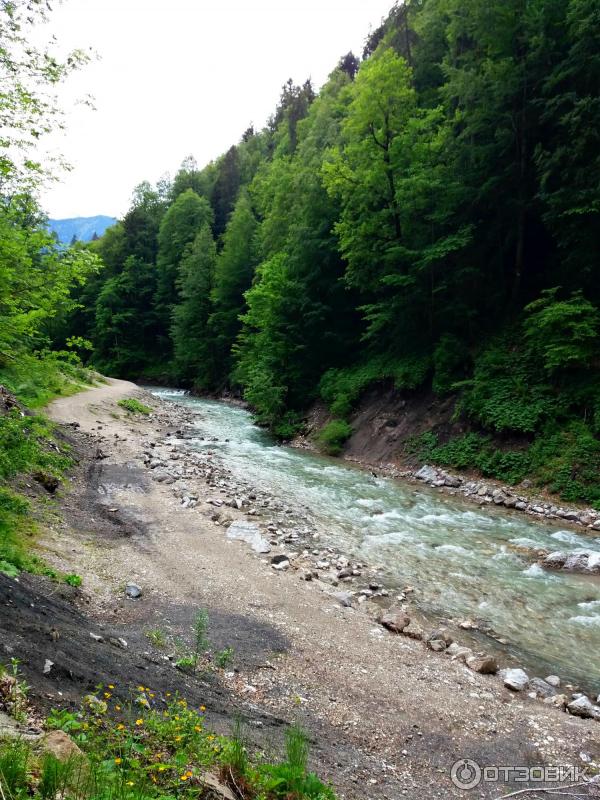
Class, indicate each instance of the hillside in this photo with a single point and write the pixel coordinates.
(427, 222)
(82, 228)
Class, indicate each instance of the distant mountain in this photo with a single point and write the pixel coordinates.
(83, 228)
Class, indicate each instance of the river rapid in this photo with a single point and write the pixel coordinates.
(464, 562)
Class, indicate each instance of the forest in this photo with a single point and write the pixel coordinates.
(429, 220)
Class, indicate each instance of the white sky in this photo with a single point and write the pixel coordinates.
(183, 77)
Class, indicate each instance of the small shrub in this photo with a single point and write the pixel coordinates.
(331, 438)
(73, 579)
(134, 406)
(157, 638)
(224, 657)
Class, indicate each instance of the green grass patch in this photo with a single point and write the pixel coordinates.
(150, 747)
(37, 379)
(134, 406)
(332, 436)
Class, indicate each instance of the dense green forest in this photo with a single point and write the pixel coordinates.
(428, 220)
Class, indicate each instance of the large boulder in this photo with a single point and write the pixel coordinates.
(427, 473)
(61, 746)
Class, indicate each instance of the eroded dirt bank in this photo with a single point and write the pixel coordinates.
(387, 717)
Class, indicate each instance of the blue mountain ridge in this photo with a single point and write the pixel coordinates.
(83, 228)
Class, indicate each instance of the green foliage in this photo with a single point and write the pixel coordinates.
(134, 406)
(405, 229)
(333, 435)
(149, 747)
(157, 637)
(341, 389)
(224, 658)
(565, 332)
(37, 378)
(291, 778)
(73, 579)
(194, 360)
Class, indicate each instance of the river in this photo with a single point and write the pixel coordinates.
(462, 560)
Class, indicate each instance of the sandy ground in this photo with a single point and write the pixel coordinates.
(388, 718)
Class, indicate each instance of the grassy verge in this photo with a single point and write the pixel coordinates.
(154, 747)
(28, 450)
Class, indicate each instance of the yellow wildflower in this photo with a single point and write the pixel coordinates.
(202, 708)
(111, 686)
(140, 688)
(197, 728)
(139, 722)
(118, 760)
(107, 695)
(120, 727)
(117, 708)
(183, 777)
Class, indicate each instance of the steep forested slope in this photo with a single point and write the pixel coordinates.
(428, 221)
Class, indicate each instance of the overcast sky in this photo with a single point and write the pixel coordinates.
(183, 77)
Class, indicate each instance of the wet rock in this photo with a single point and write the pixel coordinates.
(452, 480)
(47, 666)
(482, 663)
(576, 562)
(553, 680)
(596, 525)
(96, 637)
(345, 573)
(555, 560)
(133, 591)
(593, 564)
(542, 688)
(395, 620)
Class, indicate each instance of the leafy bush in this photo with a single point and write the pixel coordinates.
(134, 406)
(73, 579)
(332, 437)
(341, 388)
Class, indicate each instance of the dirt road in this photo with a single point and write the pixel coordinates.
(388, 717)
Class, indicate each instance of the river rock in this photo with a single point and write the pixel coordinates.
(395, 620)
(248, 532)
(482, 663)
(515, 679)
(541, 688)
(460, 653)
(558, 701)
(133, 591)
(576, 562)
(596, 525)
(583, 707)
(280, 562)
(414, 631)
(437, 645)
(553, 680)
(344, 599)
(426, 473)
(441, 634)
(555, 560)
(593, 564)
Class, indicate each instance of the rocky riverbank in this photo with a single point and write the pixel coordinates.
(390, 707)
